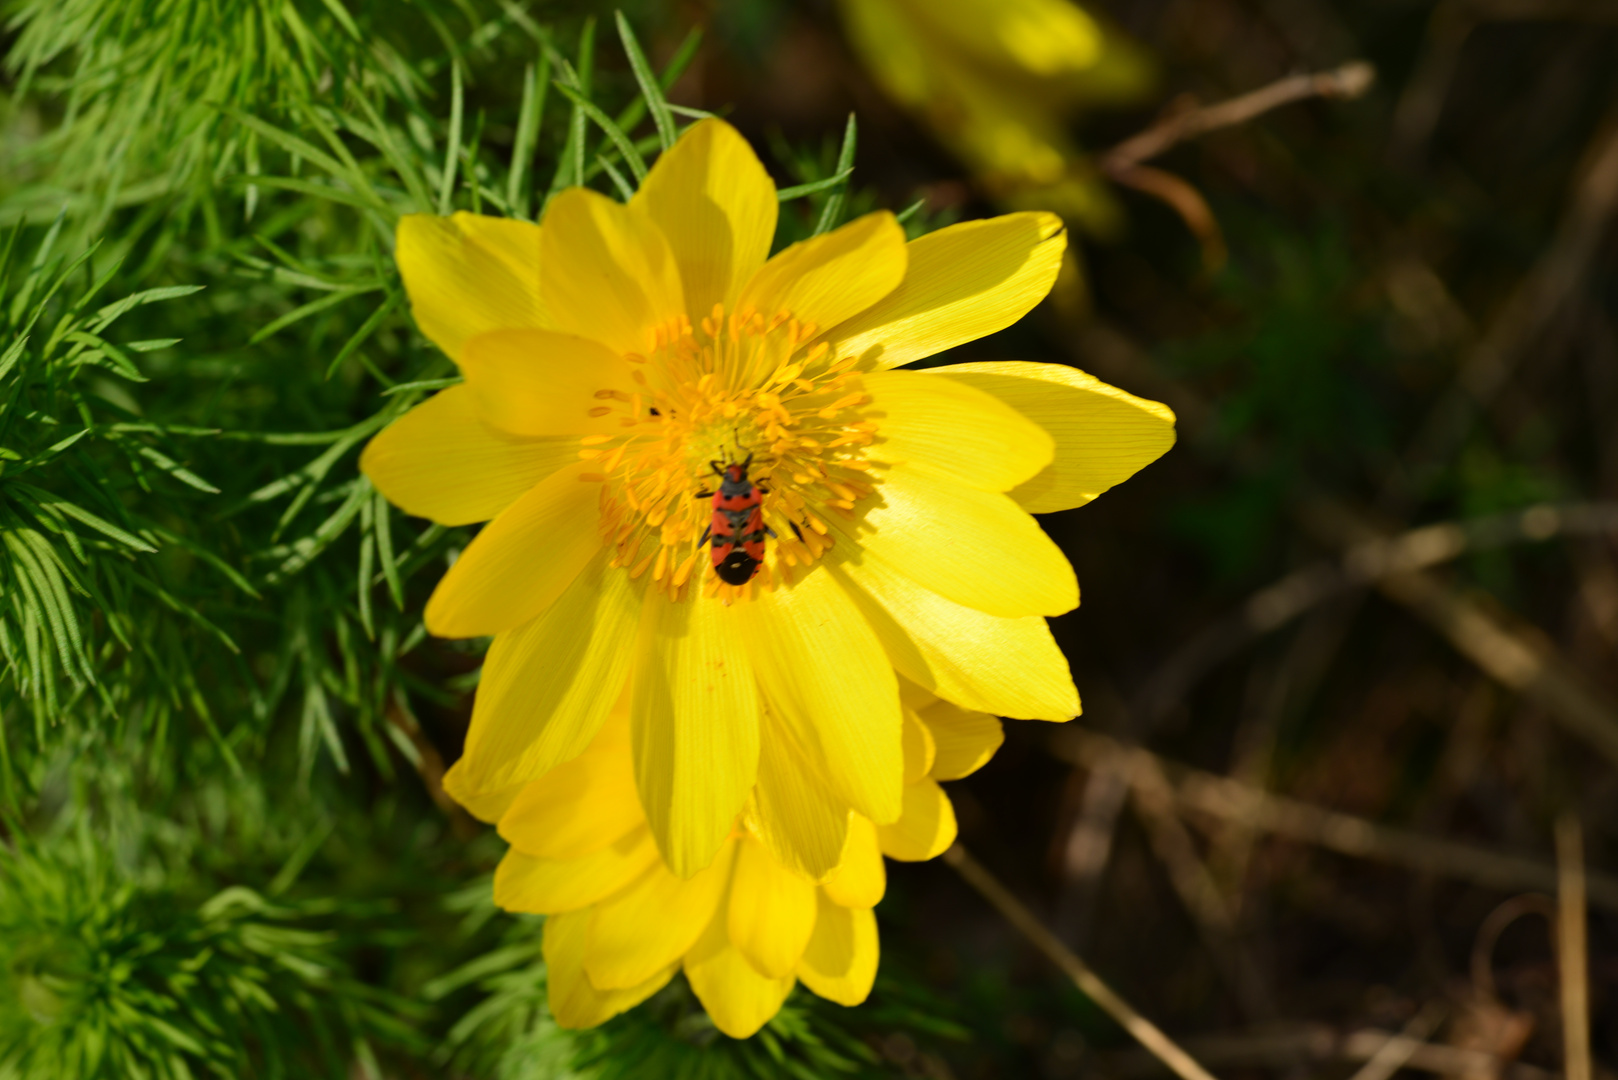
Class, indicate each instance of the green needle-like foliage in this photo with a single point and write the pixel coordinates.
(106, 978)
(217, 699)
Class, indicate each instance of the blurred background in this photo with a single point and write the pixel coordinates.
(1346, 652)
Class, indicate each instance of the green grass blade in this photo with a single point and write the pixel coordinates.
(615, 134)
(452, 148)
(833, 209)
(650, 88)
(787, 194)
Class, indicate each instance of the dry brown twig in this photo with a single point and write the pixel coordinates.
(1148, 1034)
(1526, 663)
(1398, 1049)
(1364, 563)
(1198, 892)
(1451, 25)
(1125, 163)
(1346, 82)
(1279, 1047)
(1542, 296)
(1223, 799)
(1572, 960)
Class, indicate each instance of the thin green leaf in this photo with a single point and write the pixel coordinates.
(312, 307)
(452, 148)
(360, 336)
(650, 88)
(833, 210)
(340, 13)
(624, 144)
(78, 513)
(787, 194)
(382, 522)
(618, 180)
(534, 91)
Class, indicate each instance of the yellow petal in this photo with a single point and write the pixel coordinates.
(977, 548)
(1009, 667)
(925, 829)
(955, 429)
(580, 806)
(918, 747)
(573, 1000)
(1041, 37)
(822, 671)
(795, 811)
(548, 685)
(652, 924)
(695, 717)
(522, 560)
(546, 886)
(827, 279)
(739, 1000)
(606, 272)
(963, 282)
(714, 202)
(1103, 434)
(861, 878)
(840, 962)
(438, 461)
(965, 739)
(487, 806)
(771, 911)
(468, 274)
(540, 382)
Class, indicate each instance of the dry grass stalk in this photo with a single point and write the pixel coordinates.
(1161, 1047)
(1230, 800)
(1572, 947)
(1125, 163)
(1369, 558)
(1531, 666)
(1400, 1048)
(1280, 1047)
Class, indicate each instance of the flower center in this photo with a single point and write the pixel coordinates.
(736, 409)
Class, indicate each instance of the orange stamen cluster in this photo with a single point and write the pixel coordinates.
(738, 384)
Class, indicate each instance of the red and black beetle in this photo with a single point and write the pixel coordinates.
(737, 529)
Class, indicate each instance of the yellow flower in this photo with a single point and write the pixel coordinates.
(747, 927)
(610, 355)
(998, 81)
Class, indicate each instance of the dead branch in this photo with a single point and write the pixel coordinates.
(1278, 1048)
(1230, 800)
(1161, 1047)
(1572, 947)
(1542, 295)
(1366, 562)
(1345, 82)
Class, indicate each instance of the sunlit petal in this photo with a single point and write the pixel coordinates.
(926, 827)
(521, 562)
(841, 960)
(606, 271)
(695, 717)
(468, 274)
(439, 461)
(712, 199)
(827, 279)
(1009, 667)
(963, 282)
(1103, 435)
(955, 429)
(652, 924)
(574, 1002)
